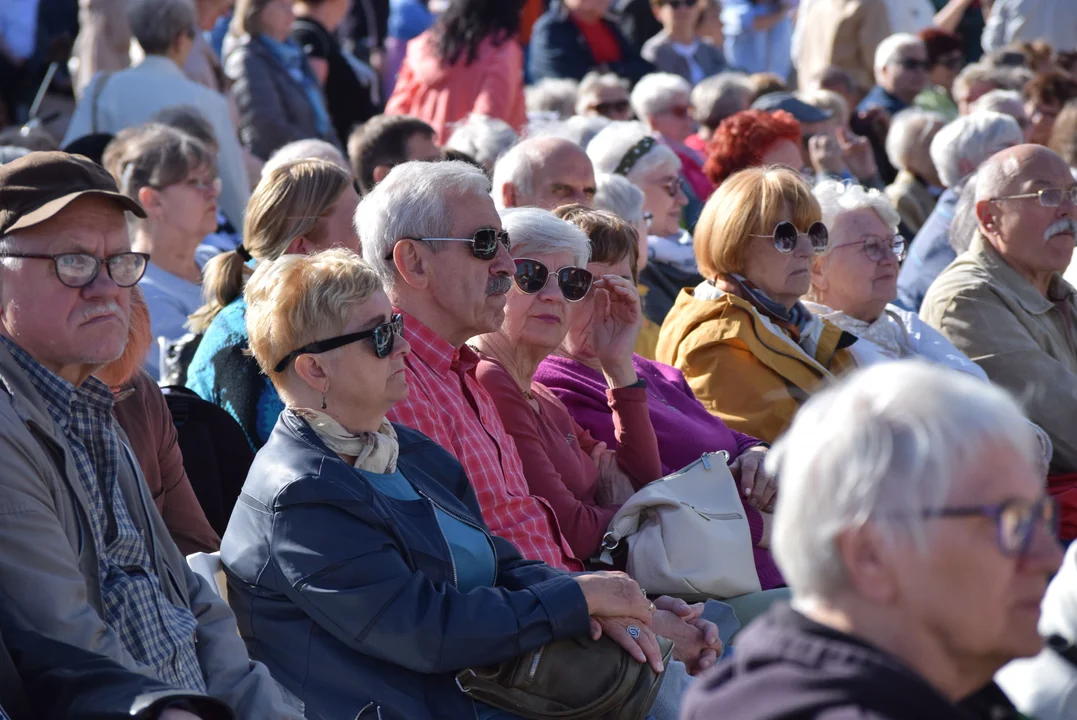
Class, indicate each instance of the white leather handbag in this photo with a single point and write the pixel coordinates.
(687, 534)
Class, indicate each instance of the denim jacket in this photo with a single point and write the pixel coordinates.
(348, 595)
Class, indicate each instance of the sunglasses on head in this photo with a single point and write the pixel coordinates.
(613, 106)
(785, 237)
(484, 242)
(383, 336)
(531, 276)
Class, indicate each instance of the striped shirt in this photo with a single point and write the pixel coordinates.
(446, 402)
(155, 632)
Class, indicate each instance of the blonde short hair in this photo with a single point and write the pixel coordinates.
(300, 299)
(749, 202)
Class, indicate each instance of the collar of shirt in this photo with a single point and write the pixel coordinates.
(59, 395)
(434, 351)
(1031, 299)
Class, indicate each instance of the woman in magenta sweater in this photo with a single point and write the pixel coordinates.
(585, 481)
(683, 427)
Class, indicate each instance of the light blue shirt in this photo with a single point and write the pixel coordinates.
(756, 51)
(170, 300)
(18, 27)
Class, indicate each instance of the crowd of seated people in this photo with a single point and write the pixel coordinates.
(335, 335)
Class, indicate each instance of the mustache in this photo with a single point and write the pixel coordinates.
(498, 285)
(1060, 226)
(102, 309)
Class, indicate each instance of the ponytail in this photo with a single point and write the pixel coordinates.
(222, 283)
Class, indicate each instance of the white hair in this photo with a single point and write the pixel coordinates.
(960, 147)
(552, 95)
(307, 149)
(592, 85)
(717, 97)
(881, 447)
(1003, 78)
(518, 166)
(483, 138)
(621, 197)
(889, 49)
(580, 129)
(535, 231)
(837, 198)
(658, 92)
(1007, 102)
(611, 145)
(909, 135)
(416, 199)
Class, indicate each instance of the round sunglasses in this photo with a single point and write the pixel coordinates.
(785, 237)
(384, 337)
(531, 276)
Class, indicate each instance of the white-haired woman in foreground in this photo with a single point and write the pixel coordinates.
(854, 284)
(917, 539)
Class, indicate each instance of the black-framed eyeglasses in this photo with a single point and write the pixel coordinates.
(672, 186)
(1048, 197)
(484, 242)
(676, 4)
(77, 270)
(531, 276)
(1015, 520)
(619, 107)
(785, 237)
(880, 248)
(383, 335)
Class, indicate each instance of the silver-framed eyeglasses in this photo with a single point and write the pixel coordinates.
(880, 248)
(1048, 197)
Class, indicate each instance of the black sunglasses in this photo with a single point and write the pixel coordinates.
(384, 336)
(531, 276)
(77, 270)
(681, 3)
(785, 237)
(483, 243)
(613, 106)
(913, 64)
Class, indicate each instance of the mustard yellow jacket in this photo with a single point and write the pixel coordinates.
(742, 367)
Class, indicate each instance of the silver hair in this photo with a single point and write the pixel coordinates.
(592, 84)
(621, 197)
(552, 95)
(416, 199)
(535, 231)
(717, 97)
(611, 145)
(483, 138)
(307, 149)
(909, 135)
(1002, 101)
(519, 164)
(157, 23)
(889, 49)
(837, 198)
(880, 448)
(965, 225)
(658, 92)
(580, 129)
(1002, 78)
(960, 147)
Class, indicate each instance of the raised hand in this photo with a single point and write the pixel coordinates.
(615, 326)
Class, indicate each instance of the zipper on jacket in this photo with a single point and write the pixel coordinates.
(533, 670)
(452, 559)
(438, 506)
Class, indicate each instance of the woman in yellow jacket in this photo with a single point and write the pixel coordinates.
(750, 350)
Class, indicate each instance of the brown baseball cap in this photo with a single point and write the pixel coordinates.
(37, 186)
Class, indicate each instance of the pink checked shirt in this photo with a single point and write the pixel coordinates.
(446, 403)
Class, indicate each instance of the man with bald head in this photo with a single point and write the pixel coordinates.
(1004, 302)
(544, 172)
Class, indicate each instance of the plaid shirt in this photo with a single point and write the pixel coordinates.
(446, 402)
(156, 632)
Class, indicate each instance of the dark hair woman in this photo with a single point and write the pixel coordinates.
(469, 62)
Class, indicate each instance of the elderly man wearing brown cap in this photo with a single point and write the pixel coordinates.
(84, 556)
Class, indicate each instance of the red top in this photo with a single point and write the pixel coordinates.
(446, 403)
(601, 39)
(556, 452)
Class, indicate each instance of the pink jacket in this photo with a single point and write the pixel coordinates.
(493, 85)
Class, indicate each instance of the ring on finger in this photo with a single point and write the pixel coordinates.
(633, 631)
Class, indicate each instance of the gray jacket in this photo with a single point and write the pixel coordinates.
(49, 562)
(274, 109)
(659, 51)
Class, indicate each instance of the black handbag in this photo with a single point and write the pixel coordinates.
(572, 679)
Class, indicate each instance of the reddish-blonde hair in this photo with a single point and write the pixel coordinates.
(119, 371)
(742, 139)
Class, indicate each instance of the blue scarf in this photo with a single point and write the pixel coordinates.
(291, 58)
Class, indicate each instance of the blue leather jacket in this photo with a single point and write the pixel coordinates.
(347, 595)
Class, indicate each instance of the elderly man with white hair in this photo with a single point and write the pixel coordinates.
(545, 172)
(854, 283)
(483, 138)
(551, 97)
(1004, 302)
(917, 187)
(1007, 102)
(713, 100)
(915, 534)
(900, 74)
(956, 151)
(604, 94)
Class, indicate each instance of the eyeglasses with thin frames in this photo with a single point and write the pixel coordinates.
(77, 270)
(1048, 197)
(1015, 521)
(879, 248)
(205, 186)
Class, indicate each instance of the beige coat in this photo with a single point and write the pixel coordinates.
(844, 33)
(914, 202)
(1027, 343)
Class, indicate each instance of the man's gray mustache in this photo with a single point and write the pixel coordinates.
(498, 285)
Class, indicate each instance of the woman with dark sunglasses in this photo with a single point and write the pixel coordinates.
(358, 562)
(751, 351)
